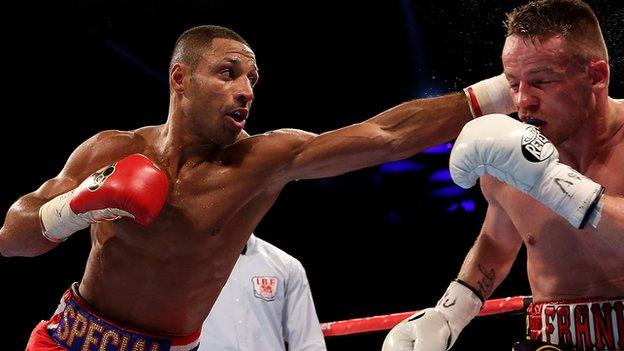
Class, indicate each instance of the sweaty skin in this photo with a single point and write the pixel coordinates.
(587, 127)
(165, 277)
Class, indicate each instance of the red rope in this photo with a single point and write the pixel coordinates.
(388, 321)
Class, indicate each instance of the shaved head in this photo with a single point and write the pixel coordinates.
(193, 42)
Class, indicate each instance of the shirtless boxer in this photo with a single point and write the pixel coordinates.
(150, 281)
(564, 204)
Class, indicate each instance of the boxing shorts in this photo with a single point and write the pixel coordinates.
(586, 324)
(75, 327)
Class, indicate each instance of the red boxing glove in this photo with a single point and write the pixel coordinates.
(133, 187)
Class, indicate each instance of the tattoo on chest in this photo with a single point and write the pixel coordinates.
(486, 283)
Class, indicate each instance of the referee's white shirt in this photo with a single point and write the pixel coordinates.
(265, 302)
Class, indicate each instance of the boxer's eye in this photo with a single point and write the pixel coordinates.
(253, 80)
(228, 72)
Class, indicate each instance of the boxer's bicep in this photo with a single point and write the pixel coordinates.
(338, 151)
(607, 222)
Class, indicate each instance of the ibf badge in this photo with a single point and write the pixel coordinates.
(265, 288)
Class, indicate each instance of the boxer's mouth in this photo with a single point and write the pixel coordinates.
(239, 115)
(534, 121)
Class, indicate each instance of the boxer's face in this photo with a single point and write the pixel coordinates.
(550, 87)
(220, 90)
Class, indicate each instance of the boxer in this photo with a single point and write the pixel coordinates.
(553, 183)
(167, 227)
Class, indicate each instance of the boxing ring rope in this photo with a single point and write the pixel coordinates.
(386, 322)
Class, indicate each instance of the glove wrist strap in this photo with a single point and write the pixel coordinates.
(568, 193)
(58, 219)
(459, 305)
(490, 96)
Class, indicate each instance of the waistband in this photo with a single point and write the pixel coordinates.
(587, 324)
(77, 327)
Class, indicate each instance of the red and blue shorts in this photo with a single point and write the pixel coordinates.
(588, 324)
(75, 327)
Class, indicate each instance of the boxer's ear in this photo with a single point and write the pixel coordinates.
(599, 73)
(176, 77)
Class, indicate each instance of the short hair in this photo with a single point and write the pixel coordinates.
(572, 20)
(191, 44)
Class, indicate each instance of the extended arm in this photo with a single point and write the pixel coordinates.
(393, 134)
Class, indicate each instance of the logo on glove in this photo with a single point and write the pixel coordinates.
(535, 146)
(99, 177)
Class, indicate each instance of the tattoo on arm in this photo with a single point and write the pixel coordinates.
(486, 283)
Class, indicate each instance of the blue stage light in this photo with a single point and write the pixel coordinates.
(448, 192)
(441, 175)
(468, 205)
(439, 149)
(401, 166)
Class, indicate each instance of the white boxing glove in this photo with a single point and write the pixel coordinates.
(436, 329)
(491, 95)
(426, 330)
(517, 154)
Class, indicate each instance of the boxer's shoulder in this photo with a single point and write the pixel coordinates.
(103, 148)
(286, 137)
(119, 139)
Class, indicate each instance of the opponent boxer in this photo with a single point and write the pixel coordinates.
(564, 203)
(150, 282)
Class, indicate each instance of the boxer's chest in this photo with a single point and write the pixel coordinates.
(539, 226)
(213, 198)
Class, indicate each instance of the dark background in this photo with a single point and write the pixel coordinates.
(382, 240)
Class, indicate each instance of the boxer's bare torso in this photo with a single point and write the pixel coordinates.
(564, 263)
(166, 276)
